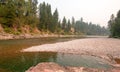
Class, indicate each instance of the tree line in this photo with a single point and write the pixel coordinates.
(18, 15)
(25, 16)
(114, 25)
(90, 28)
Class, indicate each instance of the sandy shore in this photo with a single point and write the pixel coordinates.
(94, 46)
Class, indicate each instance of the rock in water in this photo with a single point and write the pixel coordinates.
(47, 67)
(53, 67)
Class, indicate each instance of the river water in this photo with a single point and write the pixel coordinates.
(12, 60)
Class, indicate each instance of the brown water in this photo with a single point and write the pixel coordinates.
(12, 60)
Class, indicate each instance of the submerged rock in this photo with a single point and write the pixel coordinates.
(53, 67)
(47, 67)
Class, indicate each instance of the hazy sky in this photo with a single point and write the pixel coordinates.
(96, 11)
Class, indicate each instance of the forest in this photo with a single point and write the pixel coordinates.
(114, 25)
(26, 16)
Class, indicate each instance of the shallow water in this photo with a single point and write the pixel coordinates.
(12, 60)
(19, 62)
(82, 60)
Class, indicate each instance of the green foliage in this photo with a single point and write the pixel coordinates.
(73, 22)
(17, 33)
(7, 13)
(64, 23)
(17, 13)
(11, 31)
(55, 21)
(114, 25)
(48, 21)
(45, 15)
(17, 16)
(68, 28)
(8, 30)
(89, 29)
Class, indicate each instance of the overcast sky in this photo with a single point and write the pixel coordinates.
(96, 11)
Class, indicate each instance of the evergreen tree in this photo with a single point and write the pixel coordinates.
(30, 12)
(68, 26)
(20, 13)
(55, 20)
(114, 25)
(46, 18)
(111, 24)
(73, 22)
(42, 15)
(49, 19)
(17, 13)
(73, 25)
(59, 25)
(89, 29)
(7, 13)
(64, 24)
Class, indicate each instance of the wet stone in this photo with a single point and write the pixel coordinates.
(53, 67)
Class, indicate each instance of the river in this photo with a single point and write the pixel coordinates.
(13, 60)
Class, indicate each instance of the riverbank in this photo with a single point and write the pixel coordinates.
(106, 48)
(53, 67)
(5, 36)
(95, 46)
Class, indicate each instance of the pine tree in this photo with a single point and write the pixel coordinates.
(64, 24)
(43, 16)
(114, 25)
(116, 32)
(7, 13)
(17, 13)
(20, 13)
(49, 19)
(68, 26)
(111, 24)
(46, 18)
(73, 22)
(55, 20)
(30, 12)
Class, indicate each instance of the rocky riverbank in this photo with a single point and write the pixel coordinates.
(23, 36)
(53, 67)
(105, 48)
(6, 36)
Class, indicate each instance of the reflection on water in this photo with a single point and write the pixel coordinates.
(19, 62)
(11, 60)
(82, 60)
(22, 61)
